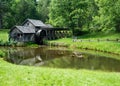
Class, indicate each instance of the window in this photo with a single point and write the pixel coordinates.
(19, 35)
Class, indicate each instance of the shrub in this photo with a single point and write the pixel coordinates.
(2, 54)
(30, 44)
(8, 43)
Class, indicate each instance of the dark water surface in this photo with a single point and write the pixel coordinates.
(61, 58)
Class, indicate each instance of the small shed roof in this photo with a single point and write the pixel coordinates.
(36, 23)
(49, 25)
(25, 29)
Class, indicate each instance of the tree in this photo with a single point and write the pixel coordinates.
(42, 9)
(3, 9)
(19, 11)
(73, 14)
(108, 18)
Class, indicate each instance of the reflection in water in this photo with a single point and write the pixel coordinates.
(61, 59)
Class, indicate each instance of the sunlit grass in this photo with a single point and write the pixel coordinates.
(2, 54)
(104, 46)
(4, 35)
(101, 36)
(14, 75)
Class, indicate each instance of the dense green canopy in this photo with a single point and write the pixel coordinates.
(78, 15)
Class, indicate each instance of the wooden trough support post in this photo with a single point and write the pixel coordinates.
(46, 34)
(49, 36)
(68, 33)
(53, 34)
(56, 34)
(60, 34)
(63, 34)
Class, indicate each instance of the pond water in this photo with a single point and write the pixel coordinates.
(61, 58)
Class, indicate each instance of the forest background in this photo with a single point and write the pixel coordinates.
(78, 15)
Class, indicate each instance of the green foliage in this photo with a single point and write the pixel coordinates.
(73, 14)
(68, 13)
(18, 9)
(3, 10)
(2, 54)
(4, 35)
(42, 9)
(31, 44)
(108, 16)
(7, 43)
(4, 38)
(92, 16)
(83, 15)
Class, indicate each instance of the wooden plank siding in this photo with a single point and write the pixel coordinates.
(36, 30)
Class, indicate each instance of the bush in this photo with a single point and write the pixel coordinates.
(78, 32)
(7, 43)
(1, 42)
(2, 54)
(31, 44)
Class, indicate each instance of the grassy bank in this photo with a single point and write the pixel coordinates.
(4, 35)
(14, 75)
(103, 46)
(2, 53)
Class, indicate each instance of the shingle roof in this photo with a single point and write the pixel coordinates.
(49, 25)
(25, 29)
(37, 23)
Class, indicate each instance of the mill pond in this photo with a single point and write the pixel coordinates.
(61, 58)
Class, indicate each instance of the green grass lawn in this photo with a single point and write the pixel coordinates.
(14, 75)
(4, 35)
(104, 46)
(100, 36)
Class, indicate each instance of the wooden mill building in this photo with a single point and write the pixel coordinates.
(35, 31)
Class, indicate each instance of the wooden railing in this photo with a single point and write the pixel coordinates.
(96, 40)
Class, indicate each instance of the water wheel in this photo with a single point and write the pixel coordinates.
(40, 36)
